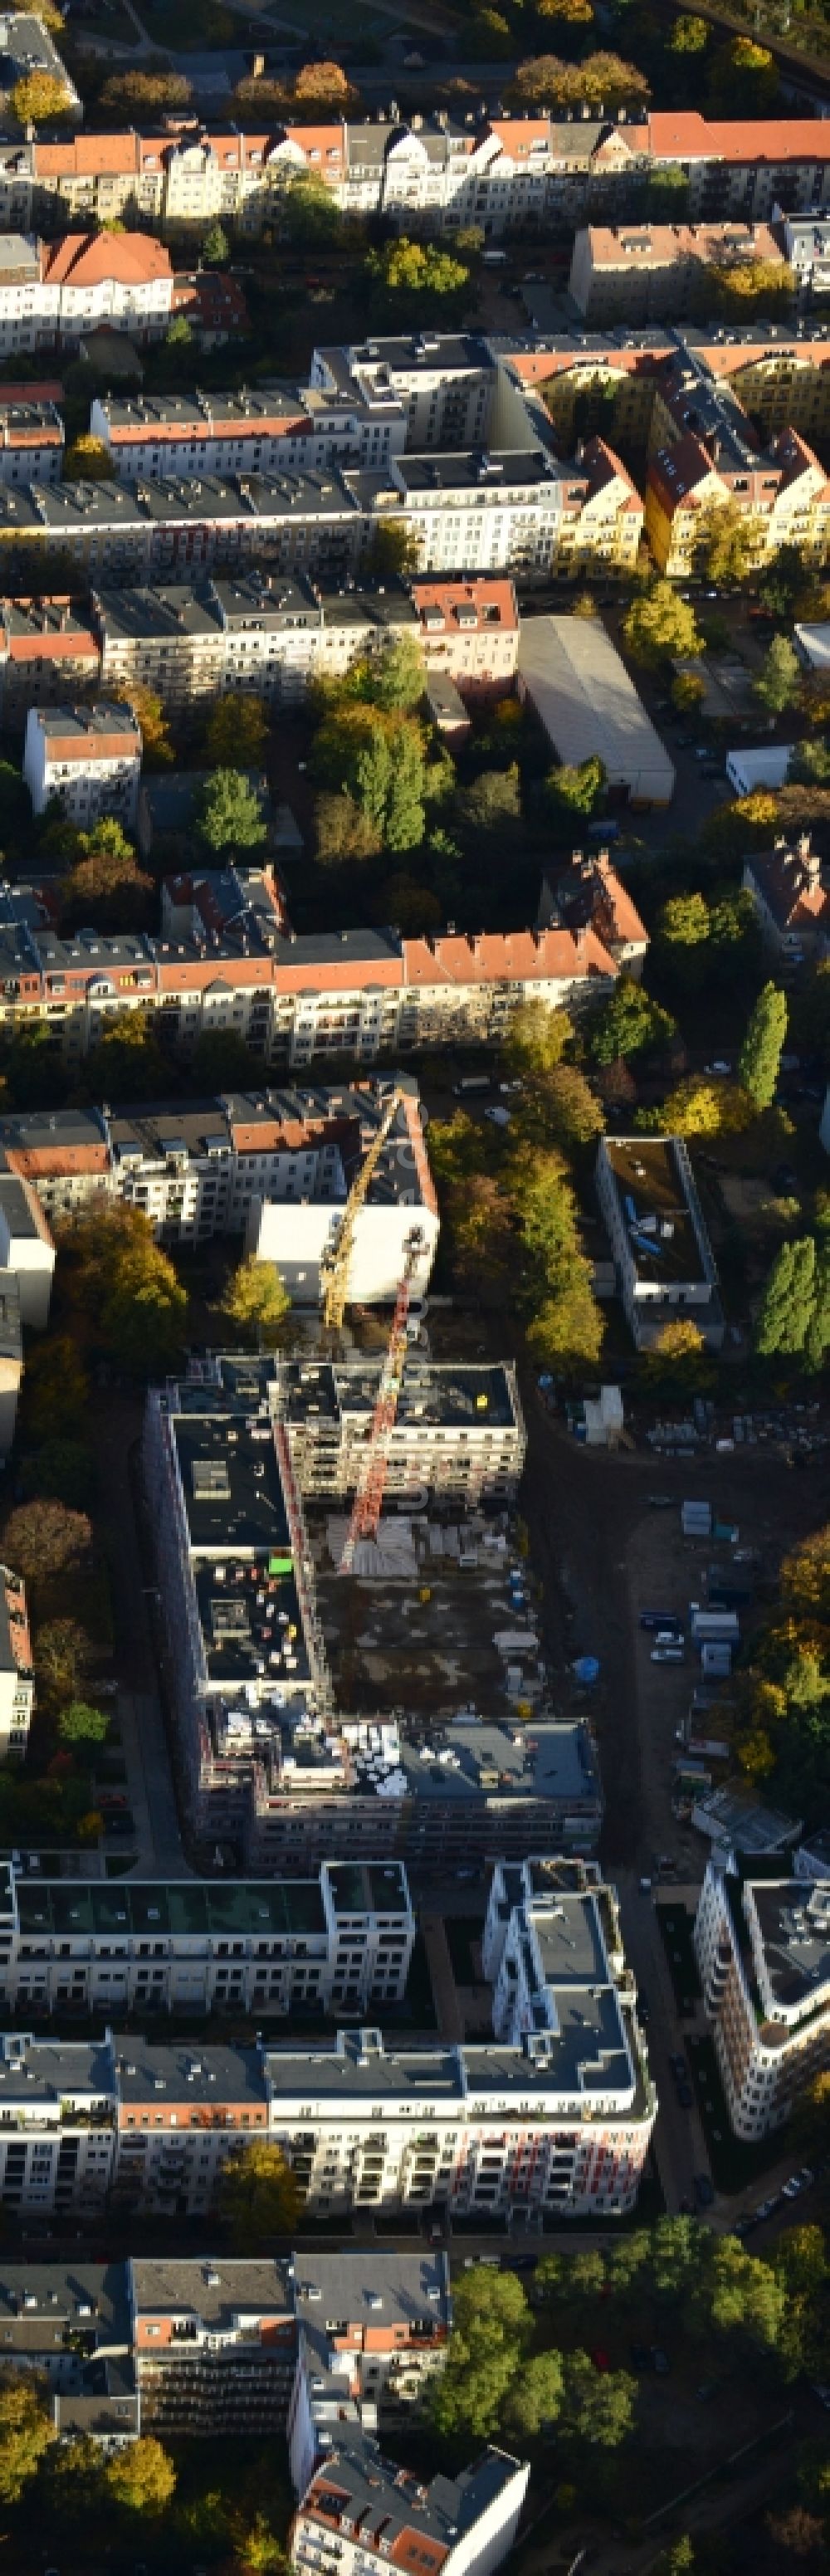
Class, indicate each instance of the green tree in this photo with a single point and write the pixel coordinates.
(779, 682)
(393, 679)
(491, 2333)
(535, 2397)
(787, 1304)
(628, 1023)
(345, 835)
(667, 191)
(179, 333)
(141, 2477)
(62, 1468)
(392, 550)
(577, 790)
(26, 2430)
(143, 1316)
(105, 880)
(492, 805)
(255, 1303)
(536, 1039)
(598, 2405)
(309, 216)
(43, 1539)
(259, 2196)
(809, 764)
(229, 812)
(817, 1342)
(760, 1057)
(419, 271)
(81, 1724)
(564, 1108)
(676, 1362)
(215, 246)
(57, 1389)
(728, 541)
(743, 80)
(661, 626)
(237, 732)
(689, 36)
(377, 759)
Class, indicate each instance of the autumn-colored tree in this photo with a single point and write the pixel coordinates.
(415, 269)
(661, 626)
(105, 882)
(137, 93)
(324, 86)
(729, 540)
(57, 1387)
(42, 1539)
(63, 1655)
(602, 81)
(141, 2477)
(88, 460)
(150, 713)
(237, 733)
(741, 287)
(39, 98)
(392, 549)
(26, 2430)
(703, 1106)
(259, 2196)
(677, 1359)
(255, 1304)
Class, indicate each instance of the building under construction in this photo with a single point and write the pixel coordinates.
(449, 1749)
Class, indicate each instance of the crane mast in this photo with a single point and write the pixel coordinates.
(371, 1483)
(336, 1260)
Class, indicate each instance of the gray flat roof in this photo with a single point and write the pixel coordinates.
(583, 696)
(217, 2074)
(39, 2300)
(386, 2288)
(648, 1179)
(216, 2288)
(233, 1495)
(47, 2070)
(794, 1922)
(551, 1760)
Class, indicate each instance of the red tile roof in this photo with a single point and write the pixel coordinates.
(87, 259)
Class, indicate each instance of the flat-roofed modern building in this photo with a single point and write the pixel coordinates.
(199, 1947)
(763, 1950)
(371, 2336)
(458, 1429)
(662, 1254)
(214, 2344)
(368, 2511)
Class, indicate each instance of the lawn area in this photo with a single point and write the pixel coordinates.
(676, 1927)
(734, 2164)
(462, 1930)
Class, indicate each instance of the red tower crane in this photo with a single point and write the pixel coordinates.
(371, 1482)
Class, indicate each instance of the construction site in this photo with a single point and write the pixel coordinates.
(353, 1636)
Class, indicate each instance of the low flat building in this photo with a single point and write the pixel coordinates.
(198, 1947)
(582, 695)
(87, 758)
(766, 766)
(72, 2325)
(642, 272)
(790, 890)
(812, 644)
(763, 1950)
(17, 1676)
(663, 1257)
(214, 2345)
(369, 2511)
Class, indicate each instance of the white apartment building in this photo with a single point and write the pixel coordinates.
(264, 429)
(55, 291)
(48, 654)
(360, 2511)
(294, 1226)
(253, 631)
(442, 381)
(31, 433)
(458, 1430)
(663, 1258)
(202, 1947)
(27, 1251)
(370, 2337)
(57, 2120)
(556, 2119)
(89, 758)
(17, 1679)
(477, 511)
(763, 1950)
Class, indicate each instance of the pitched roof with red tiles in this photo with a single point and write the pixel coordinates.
(491, 957)
(88, 259)
(687, 136)
(790, 885)
(482, 592)
(88, 156)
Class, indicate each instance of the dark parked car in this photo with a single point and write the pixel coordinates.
(704, 2191)
(685, 2097)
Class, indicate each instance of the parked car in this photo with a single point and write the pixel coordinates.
(678, 2068)
(704, 2191)
(685, 2097)
(668, 1654)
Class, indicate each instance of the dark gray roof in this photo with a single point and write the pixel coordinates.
(215, 2288)
(150, 2071)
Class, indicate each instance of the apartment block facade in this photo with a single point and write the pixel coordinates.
(199, 1947)
(359, 2510)
(86, 758)
(633, 272)
(47, 653)
(763, 1950)
(17, 1677)
(429, 175)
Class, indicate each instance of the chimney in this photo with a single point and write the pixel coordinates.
(257, 66)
